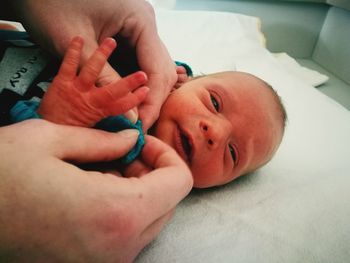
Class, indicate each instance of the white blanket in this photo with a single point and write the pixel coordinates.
(296, 208)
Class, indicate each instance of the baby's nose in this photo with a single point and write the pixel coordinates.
(213, 134)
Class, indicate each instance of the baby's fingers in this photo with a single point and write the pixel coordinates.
(70, 63)
(117, 90)
(128, 102)
(93, 67)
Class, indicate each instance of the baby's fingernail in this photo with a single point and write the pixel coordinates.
(132, 116)
(129, 133)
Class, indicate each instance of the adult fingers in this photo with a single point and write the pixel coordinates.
(70, 63)
(169, 182)
(108, 74)
(93, 67)
(161, 72)
(116, 90)
(157, 154)
(136, 169)
(180, 70)
(149, 113)
(181, 78)
(160, 87)
(154, 229)
(90, 145)
(132, 115)
(181, 74)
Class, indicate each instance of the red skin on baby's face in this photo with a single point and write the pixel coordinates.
(231, 122)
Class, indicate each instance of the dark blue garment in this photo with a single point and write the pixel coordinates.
(6, 35)
(119, 123)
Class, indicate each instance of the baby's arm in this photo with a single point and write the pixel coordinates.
(74, 99)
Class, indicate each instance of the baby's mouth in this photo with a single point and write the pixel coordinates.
(186, 146)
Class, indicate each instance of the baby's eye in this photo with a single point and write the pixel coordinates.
(233, 153)
(215, 103)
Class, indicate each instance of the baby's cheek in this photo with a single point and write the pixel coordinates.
(207, 174)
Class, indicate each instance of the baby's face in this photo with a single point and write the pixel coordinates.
(223, 125)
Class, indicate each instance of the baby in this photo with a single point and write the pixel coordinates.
(223, 125)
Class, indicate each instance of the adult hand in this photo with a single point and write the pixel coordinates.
(53, 24)
(53, 211)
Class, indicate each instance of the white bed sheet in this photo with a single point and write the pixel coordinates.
(296, 208)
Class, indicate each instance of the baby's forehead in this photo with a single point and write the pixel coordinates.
(253, 99)
(238, 76)
(239, 84)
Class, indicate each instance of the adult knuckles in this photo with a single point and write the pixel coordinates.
(138, 22)
(150, 9)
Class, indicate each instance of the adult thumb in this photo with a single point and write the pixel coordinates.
(90, 145)
(148, 113)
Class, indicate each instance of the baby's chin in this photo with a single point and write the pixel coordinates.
(200, 182)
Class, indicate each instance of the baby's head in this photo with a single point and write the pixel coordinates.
(223, 125)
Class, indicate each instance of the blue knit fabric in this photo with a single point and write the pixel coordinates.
(24, 110)
(119, 123)
(13, 35)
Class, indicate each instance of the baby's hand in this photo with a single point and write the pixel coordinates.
(74, 99)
